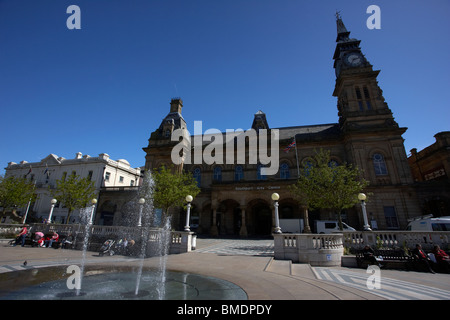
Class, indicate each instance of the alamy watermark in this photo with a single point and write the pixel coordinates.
(74, 20)
(215, 147)
(374, 280)
(374, 21)
(74, 280)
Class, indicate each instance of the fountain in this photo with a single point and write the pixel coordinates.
(130, 281)
(87, 231)
(144, 222)
(86, 215)
(115, 283)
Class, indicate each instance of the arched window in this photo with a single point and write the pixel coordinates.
(238, 173)
(379, 164)
(260, 176)
(367, 96)
(198, 176)
(333, 164)
(359, 98)
(284, 171)
(217, 174)
(308, 165)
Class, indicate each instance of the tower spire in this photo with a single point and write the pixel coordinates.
(361, 104)
(348, 54)
(342, 32)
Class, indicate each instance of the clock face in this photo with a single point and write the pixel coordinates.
(353, 59)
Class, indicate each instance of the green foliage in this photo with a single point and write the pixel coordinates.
(379, 243)
(347, 251)
(15, 192)
(74, 192)
(325, 185)
(171, 188)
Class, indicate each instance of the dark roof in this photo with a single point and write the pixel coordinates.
(318, 132)
(311, 132)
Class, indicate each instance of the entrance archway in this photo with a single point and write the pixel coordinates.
(105, 215)
(260, 217)
(228, 217)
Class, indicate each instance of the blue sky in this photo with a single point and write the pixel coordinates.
(106, 87)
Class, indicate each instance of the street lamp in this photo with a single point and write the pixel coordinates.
(275, 198)
(189, 199)
(94, 202)
(141, 206)
(362, 197)
(53, 202)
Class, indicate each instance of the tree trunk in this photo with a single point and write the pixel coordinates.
(341, 226)
(68, 216)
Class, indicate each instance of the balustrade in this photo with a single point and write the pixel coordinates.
(290, 241)
(315, 249)
(327, 249)
(180, 241)
(392, 239)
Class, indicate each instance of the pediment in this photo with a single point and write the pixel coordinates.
(51, 159)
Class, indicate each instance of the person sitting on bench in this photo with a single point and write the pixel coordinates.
(49, 242)
(423, 259)
(442, 258)
(369, 255)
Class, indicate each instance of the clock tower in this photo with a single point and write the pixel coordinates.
(361, 104)
(371, 138)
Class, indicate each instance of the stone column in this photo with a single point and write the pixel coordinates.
(117, 217)
(214, 231)
(200, 228)
(307, 228)
(243, 230)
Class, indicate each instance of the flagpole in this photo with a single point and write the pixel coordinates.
(29, 203)
(296, 157)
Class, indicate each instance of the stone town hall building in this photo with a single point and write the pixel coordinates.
(235, 199)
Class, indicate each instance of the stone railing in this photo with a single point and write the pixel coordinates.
(179, 241)
(327, 249)
(315, 249)
(9, 229)
(393, 239)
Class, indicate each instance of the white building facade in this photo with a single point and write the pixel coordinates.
(103, 171)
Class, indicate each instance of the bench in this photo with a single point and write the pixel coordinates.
(28, 241)
(56, 244)
(394, 258)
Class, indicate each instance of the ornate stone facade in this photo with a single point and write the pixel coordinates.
(431, 171)
(103, 171)
(236, 198)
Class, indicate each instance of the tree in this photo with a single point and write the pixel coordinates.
(324, 184)
(171, 188)
(15, 192)
(74, 192)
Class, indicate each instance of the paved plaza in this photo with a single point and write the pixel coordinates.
(250, 265)
(236, 247)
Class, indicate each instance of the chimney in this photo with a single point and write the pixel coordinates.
(175, 105)
(104, 156)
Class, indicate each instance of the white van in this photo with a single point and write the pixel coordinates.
(328, 226)
(429, 224)
(291, 225)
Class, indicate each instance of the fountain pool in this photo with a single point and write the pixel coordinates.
(114, 283)
(117, 283)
